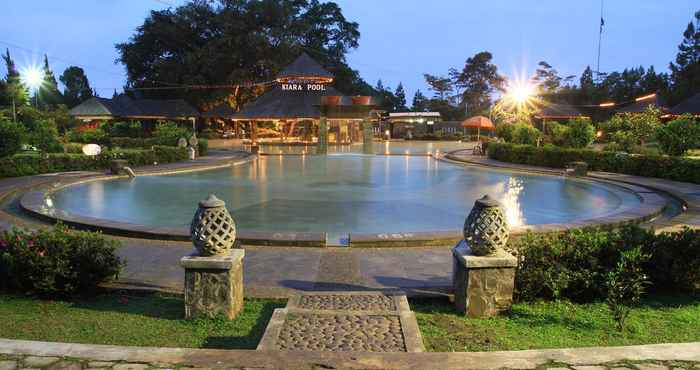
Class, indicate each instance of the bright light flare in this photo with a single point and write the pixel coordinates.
(521, 94)
(32, 77)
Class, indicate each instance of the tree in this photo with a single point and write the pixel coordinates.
(77, 86)
(387, 99)
(479, 79)
(587, 87)
(49, 95)
(13, 92)
(235, 42)
(420, 102)
(441, 86)
(400, 96)
(685, 72)
(547, 78)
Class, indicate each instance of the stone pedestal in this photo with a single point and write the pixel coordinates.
(322, 147)
(116, 166)
(213, 285)
(483, 285)
(367, 137)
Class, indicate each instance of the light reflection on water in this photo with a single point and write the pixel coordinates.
(344, 194)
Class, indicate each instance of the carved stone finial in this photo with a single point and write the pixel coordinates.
(486, 228)
(213, 230)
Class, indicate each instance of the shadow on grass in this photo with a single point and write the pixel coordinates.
(148, 304)
(249, 341)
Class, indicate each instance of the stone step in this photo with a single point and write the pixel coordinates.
(344, 322)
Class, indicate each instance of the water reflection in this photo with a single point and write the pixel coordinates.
(343, 193)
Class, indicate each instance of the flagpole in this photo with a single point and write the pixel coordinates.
(600, 39)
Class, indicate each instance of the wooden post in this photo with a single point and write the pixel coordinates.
(367, 136)
(322, 147)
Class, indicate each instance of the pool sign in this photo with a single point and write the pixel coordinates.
(303, 87)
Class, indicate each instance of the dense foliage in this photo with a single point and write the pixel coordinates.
(577, 264)
(10, 138)
(638, 128)
(233, 42)
(32, 164)
(168, 133)
(56, 262)
(672, 168)
(679, 136)
(518, 133)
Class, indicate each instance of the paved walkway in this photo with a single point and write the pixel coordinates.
(15, 355)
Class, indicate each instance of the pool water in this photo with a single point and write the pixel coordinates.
(345, 193)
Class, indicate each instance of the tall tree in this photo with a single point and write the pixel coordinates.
(49, 95)
(685, 72)
(441, 86)
(420, 102)
(478, 79)
(387, 99)
(77, 86)
(587, 87)
(400, 95)
(237, 41)
(13, 92)
(547, 78)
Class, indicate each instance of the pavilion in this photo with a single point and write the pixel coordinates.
(122, 107)
(293, 110)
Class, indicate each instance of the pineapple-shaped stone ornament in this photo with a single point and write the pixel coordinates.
(486, 227)
(213, 230)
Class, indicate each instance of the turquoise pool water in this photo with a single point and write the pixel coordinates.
(344, 193)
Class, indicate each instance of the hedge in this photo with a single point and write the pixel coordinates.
(665, 167)
(32, 164)
(132, 142)
(57, 262)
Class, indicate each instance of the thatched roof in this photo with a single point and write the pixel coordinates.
(642, 104)
(559, 111)
(690, 105)
(304, 67)
(280, 104)
(123, 106)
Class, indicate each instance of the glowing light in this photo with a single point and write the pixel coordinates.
(605, 105)
(645, 97)
(521, 93)
(32, 76)
(599, 134)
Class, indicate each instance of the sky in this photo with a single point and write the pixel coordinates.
(400, 39)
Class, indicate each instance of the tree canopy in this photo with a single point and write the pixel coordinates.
(77, 87)
(220, 42)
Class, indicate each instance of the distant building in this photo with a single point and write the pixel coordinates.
(407, 124)
(641, 104)
(688, 106)
(96, 110)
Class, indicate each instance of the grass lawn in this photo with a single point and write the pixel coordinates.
(132, 320)
(557, 325)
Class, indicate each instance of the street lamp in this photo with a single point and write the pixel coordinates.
(32, 77)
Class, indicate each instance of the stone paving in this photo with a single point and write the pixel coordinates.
(344, 322)
(86, 357)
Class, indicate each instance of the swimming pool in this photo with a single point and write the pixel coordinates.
(345, 193)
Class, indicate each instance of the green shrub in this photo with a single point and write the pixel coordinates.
(25, 164)
(203, 146)
(675, 262)
(625, 140)
(641, 127)
(56, 262)
(10, 138)
(130, 142)
(672, 168)
(626, 284)
(580, 134)
(679, 136)
(505, 131)
(75, 148)
(126, 129)
(89, 136)
(573, 264)
(44, 137)
(525, 134)
(558, 132)
(168, 133)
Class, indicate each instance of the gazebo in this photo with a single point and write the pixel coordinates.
(295, 105)
(479, 123)
(641, 104)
